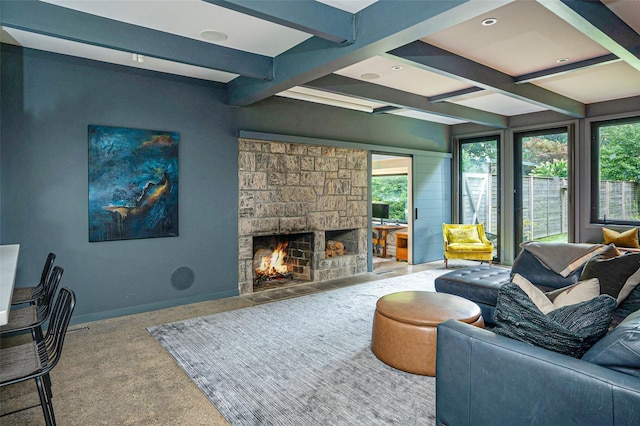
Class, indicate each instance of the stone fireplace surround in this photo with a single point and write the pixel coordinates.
(289, 188)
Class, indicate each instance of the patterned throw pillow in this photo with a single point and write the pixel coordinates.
(627, 239)
(570, 330)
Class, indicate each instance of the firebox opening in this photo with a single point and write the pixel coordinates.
(281, 259)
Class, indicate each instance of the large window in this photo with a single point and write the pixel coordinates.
(541, 178)
(480, 185)
(615, 171)
(392, 190)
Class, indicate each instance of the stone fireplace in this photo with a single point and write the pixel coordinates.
(309, 196)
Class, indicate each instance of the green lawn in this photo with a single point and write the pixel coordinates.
(557, 238)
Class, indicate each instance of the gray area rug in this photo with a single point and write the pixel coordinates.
(302, 361)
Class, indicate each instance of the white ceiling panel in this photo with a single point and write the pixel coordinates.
(72, 48)
(407, 78)
(352, 6)
(614, 81)
(497, 103)
(426, 117)
(322, 97)
(188, 18)
(526, 38)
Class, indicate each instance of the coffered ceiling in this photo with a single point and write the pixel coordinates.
(425, 59)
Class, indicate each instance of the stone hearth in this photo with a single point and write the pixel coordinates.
(288, 188)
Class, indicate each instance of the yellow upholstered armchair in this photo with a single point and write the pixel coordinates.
(466, 242)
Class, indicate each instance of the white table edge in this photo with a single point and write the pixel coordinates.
(8, 267)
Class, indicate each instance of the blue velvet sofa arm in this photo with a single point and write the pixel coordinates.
(486, 379)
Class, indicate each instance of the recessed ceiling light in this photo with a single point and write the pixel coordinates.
(211, 35)
(370, 76)
(137, 58)
(396, 67)
(489, 21)
(562, 60)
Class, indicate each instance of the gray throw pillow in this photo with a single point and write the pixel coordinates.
(616, 275)
(620, 349)
(570, 330)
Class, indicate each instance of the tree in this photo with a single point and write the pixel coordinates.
(537, 150)
(620, 152)
(477, 157)
(391, 190)
(555, 168)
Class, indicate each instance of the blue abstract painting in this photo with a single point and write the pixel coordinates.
(133, 183)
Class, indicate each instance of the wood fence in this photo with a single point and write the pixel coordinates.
(545, 203)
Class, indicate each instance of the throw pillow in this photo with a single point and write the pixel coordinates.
(621, 239)
(547, 302)
(527, 265)
(570, 330)
(618, 276)
(576, 293)
(611, 251)
(464, 235)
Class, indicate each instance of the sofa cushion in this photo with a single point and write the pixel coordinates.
(527, 265)
(630, 304)
(479, 284)
(570, 330)
(620, 349)
(467, 247)
(618, 276)
(621, 239)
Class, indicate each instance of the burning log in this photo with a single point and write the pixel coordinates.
(270, 264)
(335, 248)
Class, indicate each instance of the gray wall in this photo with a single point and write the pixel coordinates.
(47, 102)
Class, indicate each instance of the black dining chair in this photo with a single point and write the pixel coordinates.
(33, 316)
(34, 360)
(31, 294)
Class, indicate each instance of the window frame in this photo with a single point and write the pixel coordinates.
(594, 129)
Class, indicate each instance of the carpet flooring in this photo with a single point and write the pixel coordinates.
(303, 361)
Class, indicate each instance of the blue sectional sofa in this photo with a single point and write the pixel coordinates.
(486, 379)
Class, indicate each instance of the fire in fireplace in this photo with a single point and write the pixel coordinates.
(282, 259)
(272, 265)
(289, 259)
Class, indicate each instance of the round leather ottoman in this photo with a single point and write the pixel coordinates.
(405, 323)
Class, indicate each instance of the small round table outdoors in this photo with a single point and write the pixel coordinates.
(405, 325)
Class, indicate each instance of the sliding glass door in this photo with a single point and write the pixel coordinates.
(480, 185)
(541, 186)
